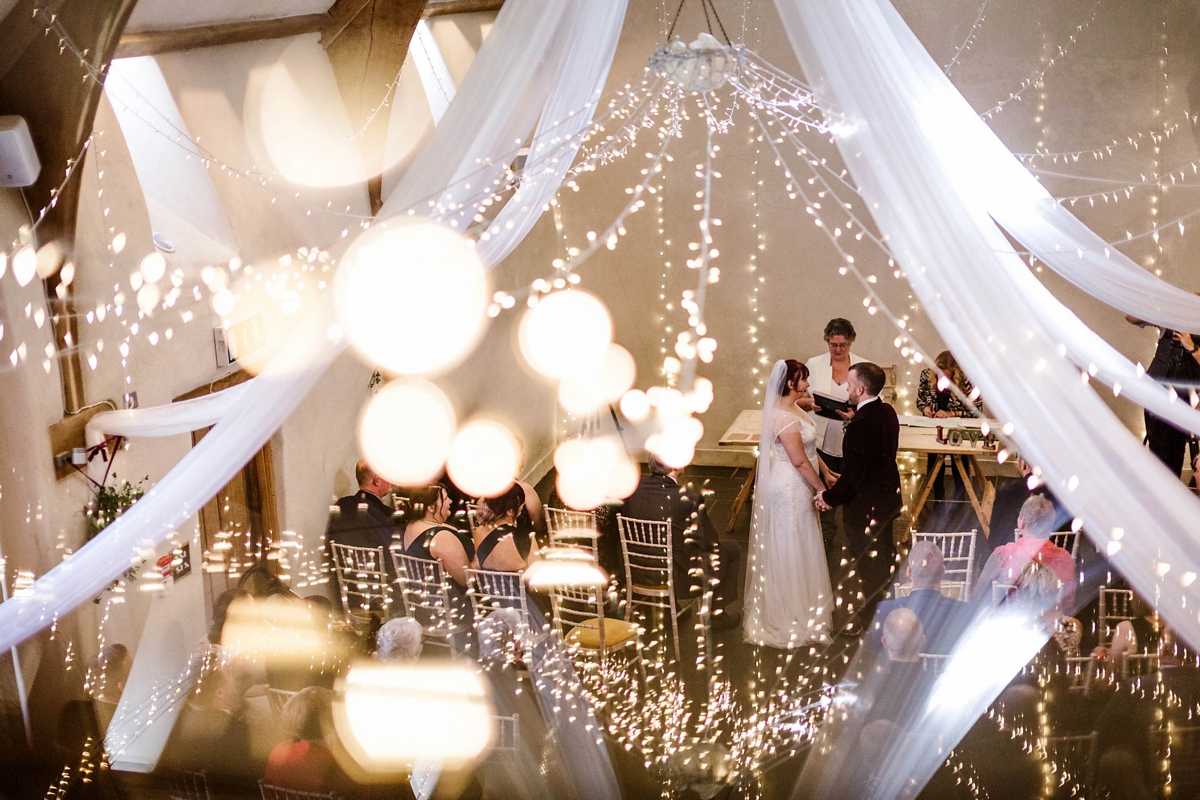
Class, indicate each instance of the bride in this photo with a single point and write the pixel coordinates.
(789, 597)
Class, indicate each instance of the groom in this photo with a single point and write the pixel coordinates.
(869, 486)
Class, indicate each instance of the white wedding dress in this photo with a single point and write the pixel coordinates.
(788, 596)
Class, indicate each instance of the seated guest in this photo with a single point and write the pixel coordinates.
(302, 761)
(399, 640)
(1006, 508)
(1035, 523)
(903, 637)
(533, 517)
(660, 498)
(1140, 635)
(942, 618)
(362, 519)
(499, 544)
(429, 537)
(897, 689)
(933, 401)
(106, 677)
(212, 732)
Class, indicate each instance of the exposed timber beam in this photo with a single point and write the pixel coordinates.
(441, 7)
(149, 43)
(54, 80)
(366, 54)
(330, 25)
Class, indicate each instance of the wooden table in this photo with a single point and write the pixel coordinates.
(917, 435)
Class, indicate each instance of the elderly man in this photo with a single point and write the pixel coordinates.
(942, 618)
(1035, 523)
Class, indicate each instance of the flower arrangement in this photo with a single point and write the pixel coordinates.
(108, 503)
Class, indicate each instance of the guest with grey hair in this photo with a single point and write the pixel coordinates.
(399, 640)
(1035, 522)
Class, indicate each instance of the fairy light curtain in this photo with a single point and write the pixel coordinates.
(905, 135)
(567, 113)
(494, 109)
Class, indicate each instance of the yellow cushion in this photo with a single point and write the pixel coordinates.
(587, 634)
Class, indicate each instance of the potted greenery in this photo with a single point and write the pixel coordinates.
(108, 503)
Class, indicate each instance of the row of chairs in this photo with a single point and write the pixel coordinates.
(958, 553)
(577, 614)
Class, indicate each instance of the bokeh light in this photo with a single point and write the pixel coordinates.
(635, 405)
(582, 393)
(566, 333)
(293, 112)
(49, 259)
(675, 446)
(593, 471)
(483, 459)
(148, 297)
(24, 265)
(153, 267)
(284, 632)
(413, 297)
(388, 716)
(565, 566)
(406, 430)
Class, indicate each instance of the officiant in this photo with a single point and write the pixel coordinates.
(829, 374)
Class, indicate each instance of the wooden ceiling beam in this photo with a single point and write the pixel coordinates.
(149, 43)
(442, 7)
(366, 55)
(331, 25)
(19, 29)
(55, 81)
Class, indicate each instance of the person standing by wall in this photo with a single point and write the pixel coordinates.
(1175, 360)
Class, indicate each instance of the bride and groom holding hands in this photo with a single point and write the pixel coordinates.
(789, 599)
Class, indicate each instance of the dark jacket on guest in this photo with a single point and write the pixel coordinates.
(943, 619)
(362, 520)
(869, 487)
(661, 499)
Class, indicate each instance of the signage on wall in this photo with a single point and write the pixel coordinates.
(239, 340)
(174, 565)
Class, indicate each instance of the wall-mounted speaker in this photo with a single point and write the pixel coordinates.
(19, 164)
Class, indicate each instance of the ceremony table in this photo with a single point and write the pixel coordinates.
(962, 442)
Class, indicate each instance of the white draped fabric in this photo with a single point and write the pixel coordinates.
(901, 141)
(906, 139)
(564, 118)
(471, 149)
(495, 108)
(182, 417)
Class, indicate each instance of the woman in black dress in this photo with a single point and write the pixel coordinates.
(500, 544)
(429, 537)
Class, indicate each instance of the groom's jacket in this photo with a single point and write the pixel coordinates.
(869, 487)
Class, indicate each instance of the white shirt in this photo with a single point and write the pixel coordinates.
(862, 403)
(820, 379)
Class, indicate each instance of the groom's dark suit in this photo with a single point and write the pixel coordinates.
(869, 493)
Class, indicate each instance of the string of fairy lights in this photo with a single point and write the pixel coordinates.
(1047, 63)
(660, 725)
(966, 45)
(676, 115)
